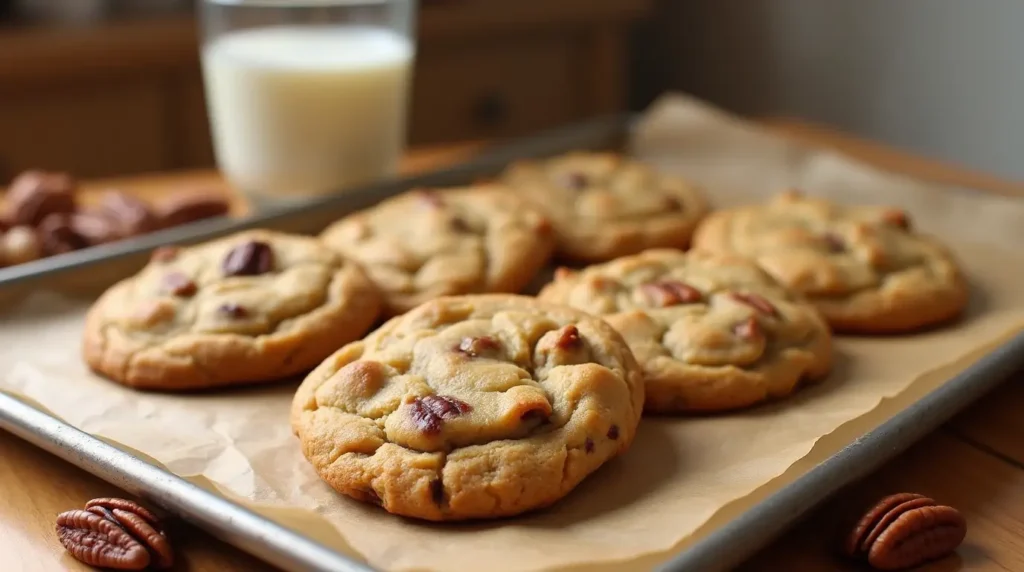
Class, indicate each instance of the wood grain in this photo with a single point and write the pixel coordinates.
(974, 463)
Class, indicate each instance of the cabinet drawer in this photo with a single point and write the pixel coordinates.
(500, 88)
(89, 131)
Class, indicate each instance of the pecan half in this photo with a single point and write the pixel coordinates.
(34, 195)
(906, 530)
(248, 259)
(189, 206)
(115, 533)
(430, 412)
(756, 302)
(670, 293)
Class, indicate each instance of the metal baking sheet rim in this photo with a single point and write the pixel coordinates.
(284, 548)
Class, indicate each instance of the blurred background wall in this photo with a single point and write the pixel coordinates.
(942, 77)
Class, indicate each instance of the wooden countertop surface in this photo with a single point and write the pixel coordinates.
(975, 462)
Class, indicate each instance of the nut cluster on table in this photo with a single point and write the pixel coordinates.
(43, 216)
(115, 533)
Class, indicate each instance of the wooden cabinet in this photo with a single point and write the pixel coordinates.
(484, 70)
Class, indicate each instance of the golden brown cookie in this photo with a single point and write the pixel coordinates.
(430, 243)
(255, 306)
(863, 266)
(712, 332)
(604, 205)
(470, 407)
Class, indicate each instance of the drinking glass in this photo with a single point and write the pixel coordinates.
(307, 97)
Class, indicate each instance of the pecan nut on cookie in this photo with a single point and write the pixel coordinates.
(712, 332)
(252, 307)
(604, 205)
(430, 243)
(470, 407)
(863, 266)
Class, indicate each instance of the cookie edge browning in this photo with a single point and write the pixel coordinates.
(244, 357)
(529, 263)
(625, 433)
(616, 239)
(871, 311)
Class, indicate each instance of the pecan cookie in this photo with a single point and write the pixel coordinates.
(255, 306)
(430, 243)
(603, 205)
(712, 332)
(863, 266)
(476, 406)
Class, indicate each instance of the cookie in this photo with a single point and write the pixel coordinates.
(604, 205)
(469, 407)
(863, 266)
(430, 243)
(252, 307)
(712, 332)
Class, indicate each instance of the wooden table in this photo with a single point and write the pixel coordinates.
(975, 462)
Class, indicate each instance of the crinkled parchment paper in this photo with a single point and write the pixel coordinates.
(679, 473)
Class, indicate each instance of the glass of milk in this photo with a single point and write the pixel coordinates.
(307, 97)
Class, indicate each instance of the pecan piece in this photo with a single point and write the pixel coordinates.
(164, 254)
(34, 195)
(476, 347)
(670, 293)
(130, 215)
(833, 242)
(58, 235)
(431, 199)
(896, 217)
(178, 284)
(906, 530)
(756, 302)
(189, 206)
(569, 338)
(748, 329)
(115, 533)
(573, 180)
(249, 259)
(428, 413)
(233, 310)
(93, 227)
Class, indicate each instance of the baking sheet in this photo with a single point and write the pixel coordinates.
(680, 472)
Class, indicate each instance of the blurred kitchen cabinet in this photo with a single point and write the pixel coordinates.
(125, 97)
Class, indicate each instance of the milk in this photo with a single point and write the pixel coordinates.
(299, 111)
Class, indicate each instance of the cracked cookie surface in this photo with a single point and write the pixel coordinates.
(604, 205)
(863, 266)
(424, 244)
(470, 407)
(712, 332)
(251, 307)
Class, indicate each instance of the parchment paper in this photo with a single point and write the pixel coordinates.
(679, 473)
